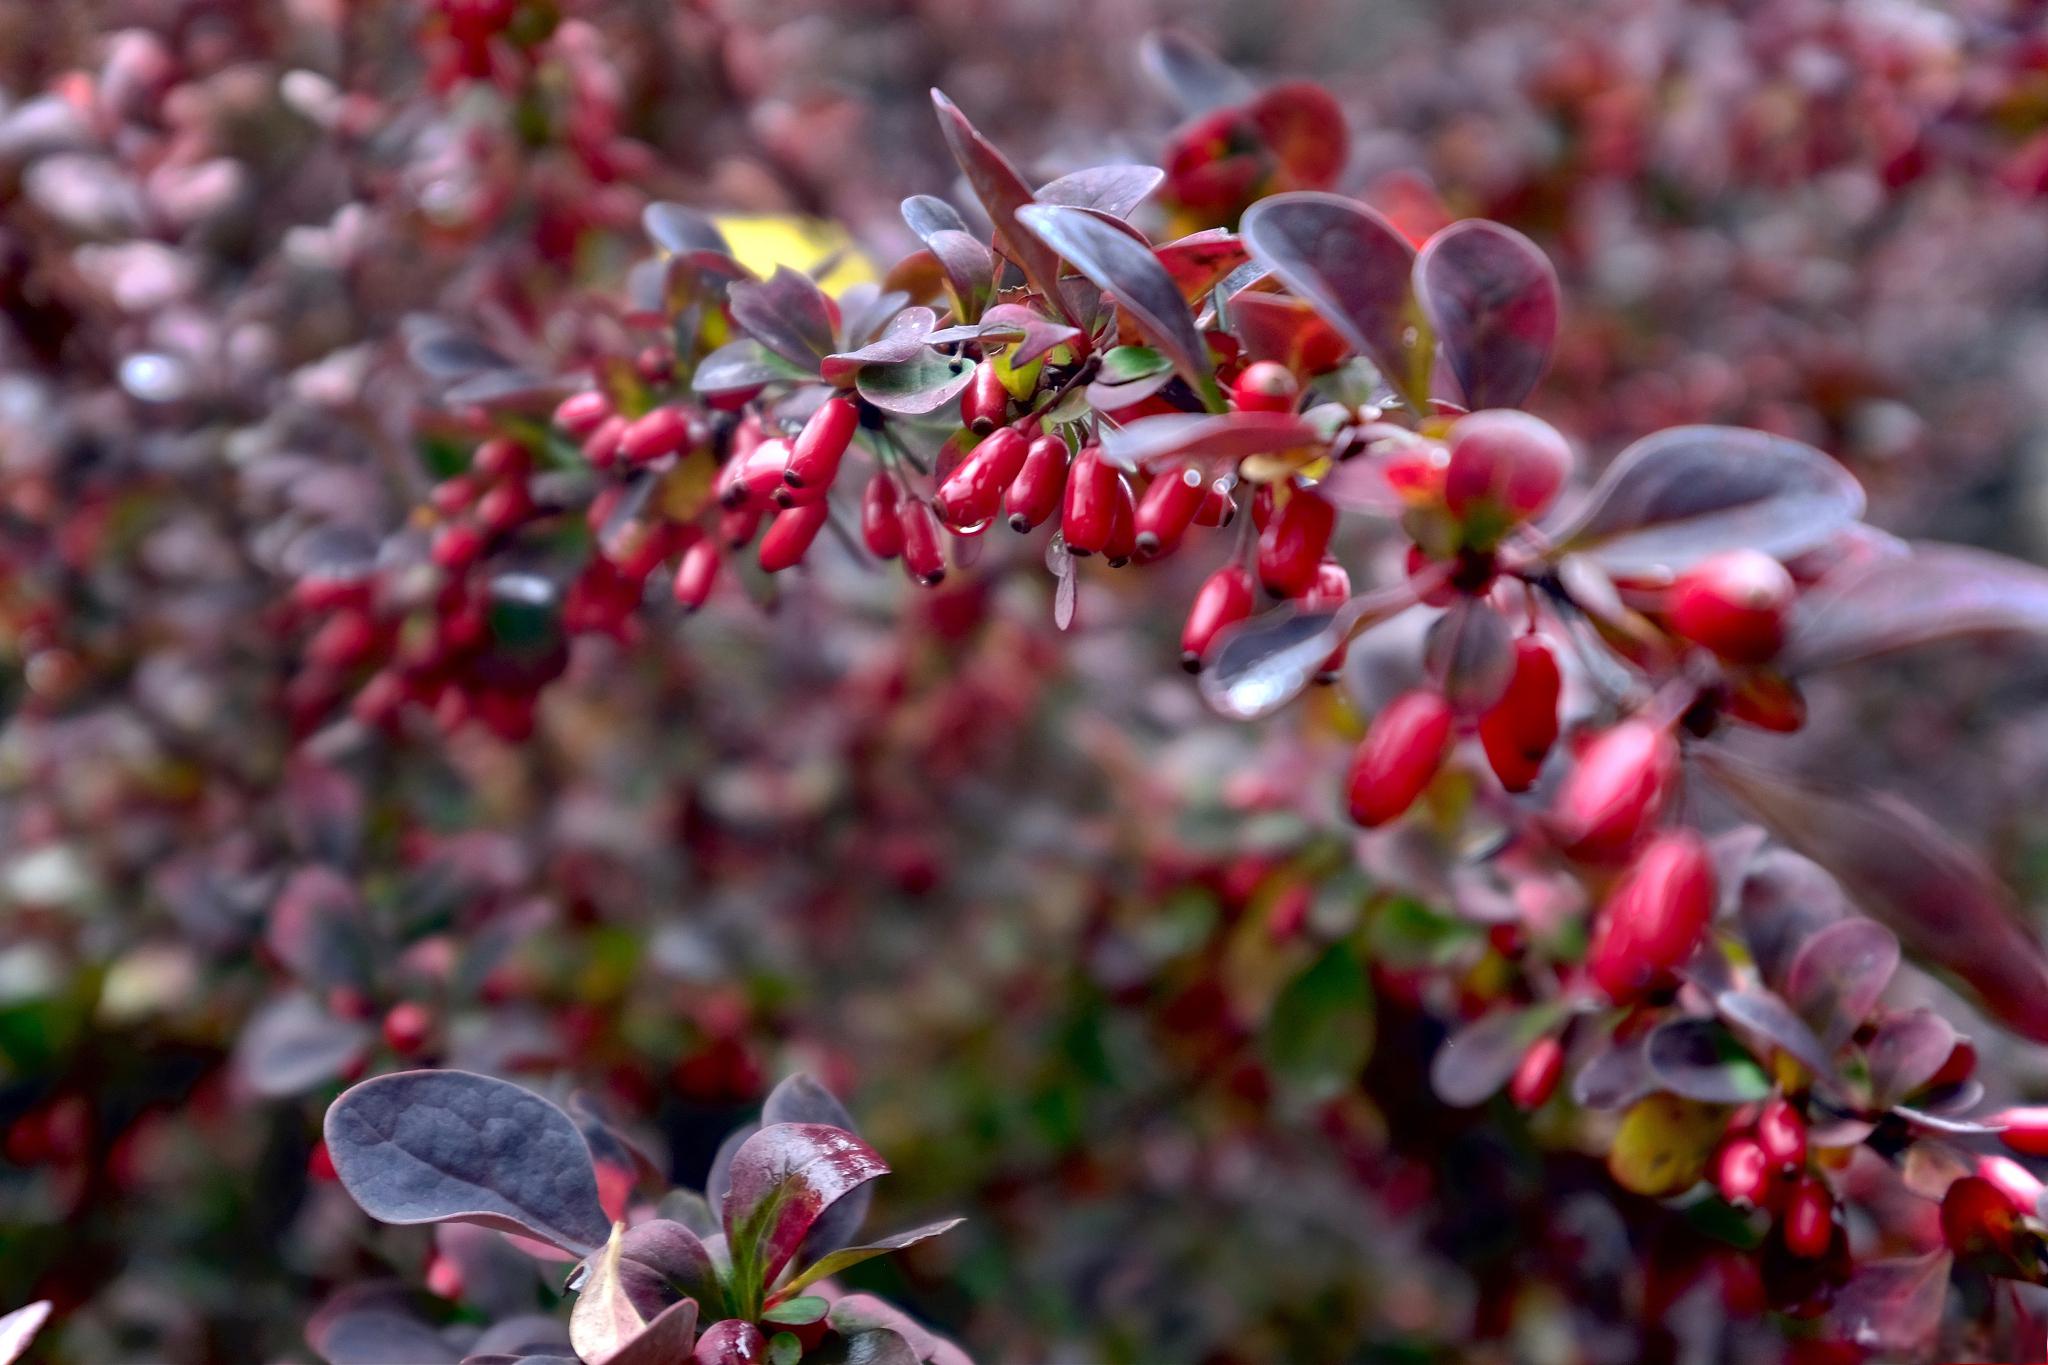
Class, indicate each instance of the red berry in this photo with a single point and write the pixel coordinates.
(1331, 590)
(505, 508)
(1615, 792)
(1537, 1074)
(1781, 1133)
(789, 536)
(879, 526)
(1090, 511)
(1225, 598)
(736, 525)
(1808, 1224)
(1219, 503)
(2025, 1128)
(821, 445)
(1266, 386)
(407, 1026)
(1734, 604)
(986, 403)
(1293, 541)
(444, 1278)
(501, 458)
(1122, 545)
(1654, 917)
(2021, 1187)
(968, 499)
(582, 413)
(1169, 505)
(924, 557)
(1505, 467)
(1036, 492)
(696, 573)
(1518, 732)
(1977, 1217)
(1398, 757)
(1742, 1173)
(660, 432)
(760, 477)
(457, 546)
(320, 1163)
(452, 497)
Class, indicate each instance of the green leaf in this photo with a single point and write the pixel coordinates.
(1321, 1029)
(784, 1349)
(1122, 364)
(798, 1312)
(853, 1256)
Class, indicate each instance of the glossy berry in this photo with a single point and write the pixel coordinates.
(1537, 1074)
(407, 1026)
(924, 557)
(581, 413)
(1265, 386)
(880, 528)
(601, 446)
(663, 431)
(1504, 467)
(1518, 731)
(1398, 757)
(1122, 545)
(1654, 918)
(1808, 1222)
(696, 574)
(789, 536)
(1781, 1134)
(1292, 543)
(1734, 604)
(815, 454)
(1978, 1218)
(760, 474)
(1035, 494)
(968, 499)
(2020, 1186)
(1092, 495)
(1615, 791)
(985, 404)
(501, 458)
(1331, 590)
(1219, 505)
(1225, 598)
(1168, 507)
(1742, 1173)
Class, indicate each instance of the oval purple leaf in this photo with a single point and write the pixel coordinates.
(1893, 1306)
(1491, 297)
(801, 1099)
(901, 340)
(454, 1146)
(1699, 1059)
(1189, 74)
(1002, 192)
(1766, 1015)
(783, 1178)
(1349, 264)
(1260, 665)
(1114, 190)
(1470, 652)
(1905, 1052)
(292, 1044)
(1225, 437)
(788, 314)
(1838, 975)
(1937, 592)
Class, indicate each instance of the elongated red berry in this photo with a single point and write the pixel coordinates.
(1734, 604)
(1654, 918)
(580, 413)
(1122, 545)
(1293, 541)
(789, 536)
(985, 404)
(1742, 1173)
(662, 431)
(601, 446)
(1040, 485)
(1092, 493)
(1168, 507)
(1219, 504)
(880, 527)
(737, 525)
(1225, 598)
(1808, 1223)
(968, 499)
(501, 458)
(760, 477)
(815, 454)
(1505, 466)
(1398, 757)
(1518, 732)
(696, 573)
(1781, 1133)
(1266, 386)
(1615, 792)
(1537, 1074)
(1331, 590)
(924, 556)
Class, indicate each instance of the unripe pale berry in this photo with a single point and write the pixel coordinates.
(1398, 757)
(1505, 467)
(1086, 520)
(1225, 598)
(1808, 1223)
(1266, 386)
(1615, 792)
(1292, 542)
(815, 455)
(1518, 732)
(968, 499)
(1036, 492)
(880, 528)
(1734, 604)
(1168, 507)
(1654, 918)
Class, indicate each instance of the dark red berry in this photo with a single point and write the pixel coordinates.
(1808, 1223)
(407, 1026)
(815, 455)
(696, 573)
(880, 528)
(1092, 495)
(1504, 467)
(1654, 918)
(985, 404)
(1292, 543)
(969, 497)
(1537, 1074)
(1734, 604)
(790, 534)
(1398, 757)
(1742, 1173)
(1266, 386)
(1518, 732)
(1040, 485)
(1615, 792)
(924, 556)
(662, 431)
(581, 413)
(1781, 1133)
(1169, 505)
(1225, 598)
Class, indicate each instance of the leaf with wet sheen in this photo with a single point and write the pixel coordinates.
(1347, 262)
(1222, 437)
(903, 339)
(1114, 190)
(783, 1178)
(1937, 592)
(454, 1146)
(1258, 666)
(1491, 297)
(1680, 495)
(922, 384)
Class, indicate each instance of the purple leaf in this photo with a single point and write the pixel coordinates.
(783, 1178)
(1258, 666)
(316, 928)
(675, 1253)
(1224, 437)
(852, 1256)
(927, 215)
(1893, 1307)
(1127, 271)
(788, 314)
(902, 340)
(1937, 592)
(1680, 495)
(1905, 1052)
(1348, 263)
(731, 1342)
(1477, 1060)
(19, 1328)
(1470, 652)
(741, 367)
(683, 231)
(293, 1044)
(1114, 190)
(453, 1146)
(1838, 975)
(1614, 1077)
(969, 268)
(1765, 1014)
(380, 1336)
(1698, 1059)
(1036, 334)
(922, 384)
(1003, 193)
(665, 1341)
(1190, 75)
(1491, 297)
(1906, 872)
(1784, 900)
(800, 1099)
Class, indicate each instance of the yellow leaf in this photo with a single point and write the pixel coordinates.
(1663, 1144)
(763, 241)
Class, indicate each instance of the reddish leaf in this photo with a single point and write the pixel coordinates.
(969, 268)
(1937, 592)
(1893, 1306)
(783, 1178)
(1197, 263)
(1114, 190)
(1905, 1052)
(664, 1341)
(1303, 126)
(1223, 437)
(847, 1257)
(1699, 1059)
(788, 314)
(1281, 328)
(1491, 297)
(293, 1044)
(1838, 975)
(903, 340)
(1003, 193)
(1350, 265)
